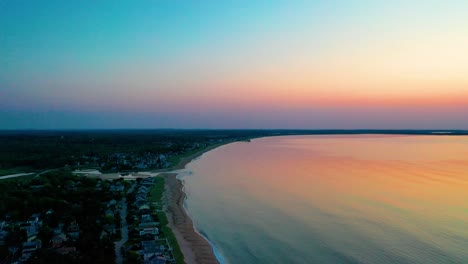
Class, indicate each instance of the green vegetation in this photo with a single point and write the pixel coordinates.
(156, 195)
(64, 204)
(107, 150)
(129, 150)
(157, 191)
(19, 180)
(178, 256)
(175, 159)
(63, 200)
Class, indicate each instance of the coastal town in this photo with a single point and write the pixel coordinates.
(103, 197)
(94, 204)
(233, 132)
(126, 220)
(100, 197)
(142, 239)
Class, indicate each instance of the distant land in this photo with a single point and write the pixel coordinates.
(121, 150)
(253, 131)
(131, 172)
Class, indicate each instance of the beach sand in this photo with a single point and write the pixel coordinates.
(194, 247)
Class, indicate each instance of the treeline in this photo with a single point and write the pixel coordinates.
(36, 150)
(60, 199)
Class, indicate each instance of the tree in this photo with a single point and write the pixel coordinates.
(45, 234)
(133, 257)
(15, 237)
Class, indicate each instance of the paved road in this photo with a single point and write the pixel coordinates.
(15, 175)
(4, 177)
(123, 227)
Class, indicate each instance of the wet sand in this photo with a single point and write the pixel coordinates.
(194, 247)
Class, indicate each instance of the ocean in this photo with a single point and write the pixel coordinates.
(333, 199)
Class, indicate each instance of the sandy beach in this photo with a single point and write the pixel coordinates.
(194, 247)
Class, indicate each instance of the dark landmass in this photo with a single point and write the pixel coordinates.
(58, 218)
(134, 150)
(53, 216)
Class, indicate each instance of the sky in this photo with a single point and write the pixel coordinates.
(233, 64)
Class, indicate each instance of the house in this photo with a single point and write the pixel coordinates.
(66, 250)
(58, 240)
(24, 226)
(34, 219)
(147, 237)
(143, 207)
(29, 248)
(150, 250)
(32, 230)
(117, 187)
(3, 235)
(145, 218)
(99, 186)
(140, 201)
(149, 228)
(147, 182)
(111, 203)
(153, 232)
(73, 230)
(142, 191)
(156, 260)
(141, 166)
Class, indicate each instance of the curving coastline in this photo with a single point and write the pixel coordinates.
(196, 249)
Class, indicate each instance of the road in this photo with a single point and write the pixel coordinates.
(15, 175)
(4, 177)
(123, 227)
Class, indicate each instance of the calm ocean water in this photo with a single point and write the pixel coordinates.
(334, 199)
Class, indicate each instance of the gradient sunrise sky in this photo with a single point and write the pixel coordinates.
(233, 64)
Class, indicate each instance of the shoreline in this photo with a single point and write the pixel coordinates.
(187, 159)
(195, 248)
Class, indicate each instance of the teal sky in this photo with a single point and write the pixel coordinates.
(233, 64)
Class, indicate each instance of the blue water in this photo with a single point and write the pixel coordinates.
(333, 199)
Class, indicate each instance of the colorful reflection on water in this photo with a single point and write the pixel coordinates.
(334, 199)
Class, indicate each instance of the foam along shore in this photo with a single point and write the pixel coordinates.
(195, 248)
